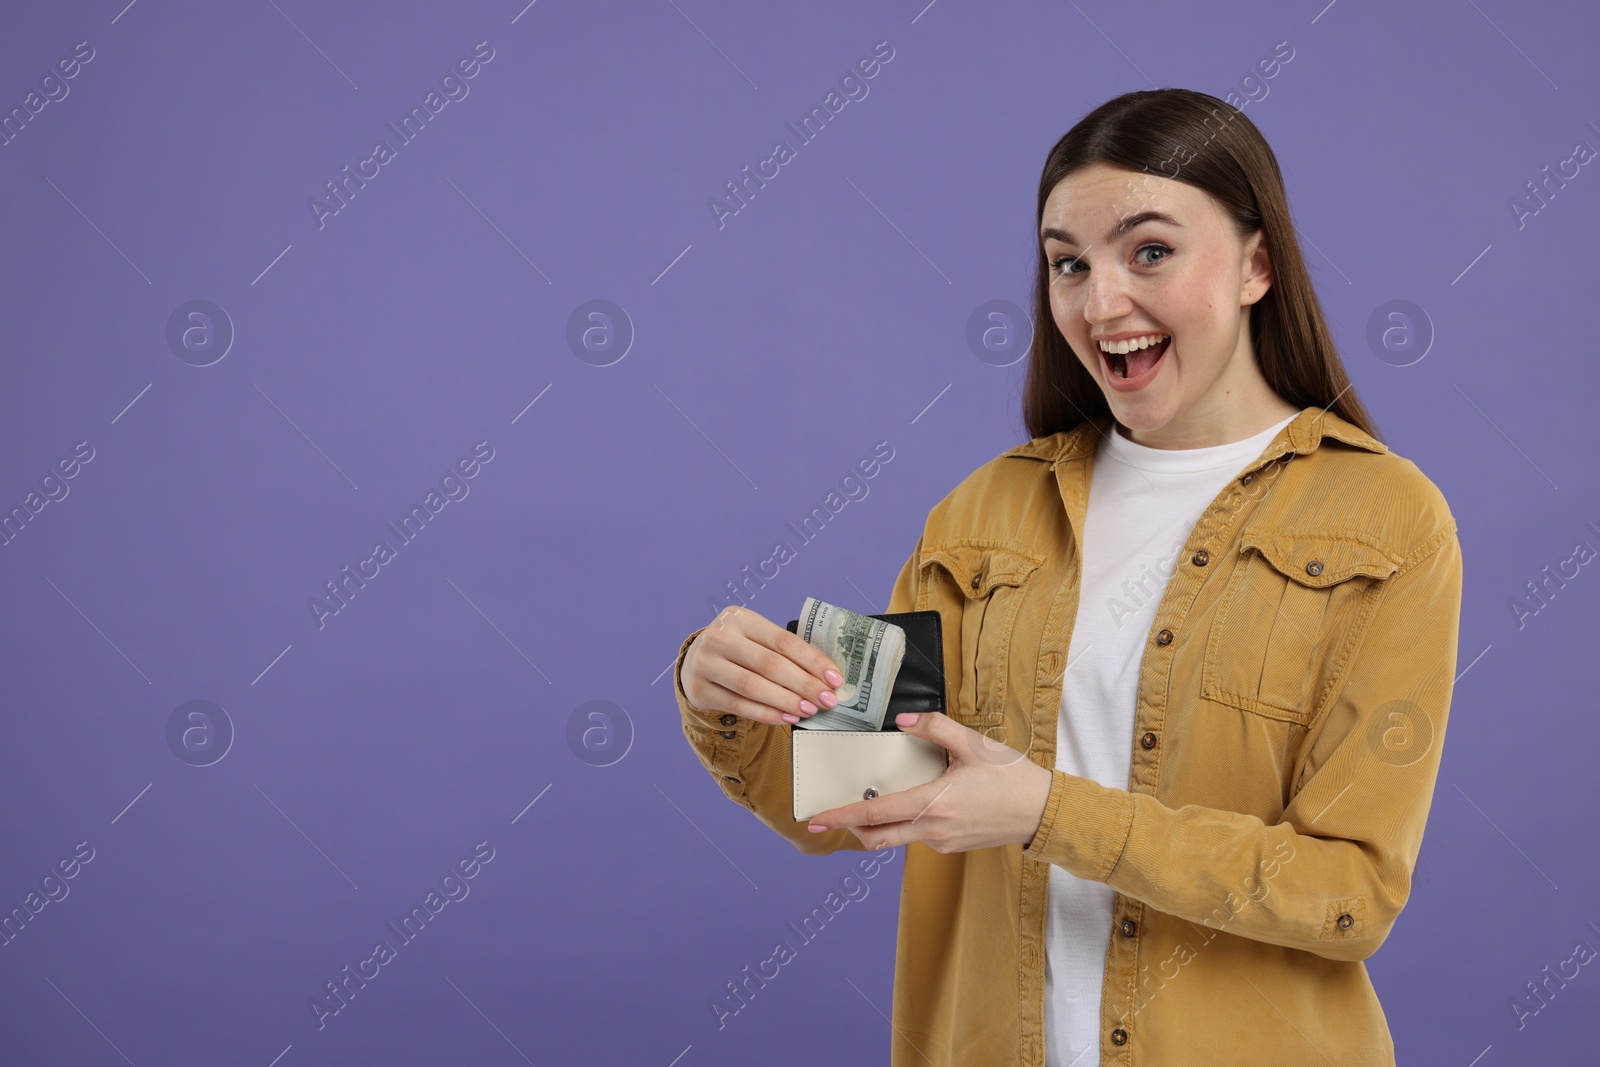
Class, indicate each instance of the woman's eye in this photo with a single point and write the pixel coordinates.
(1064, 266)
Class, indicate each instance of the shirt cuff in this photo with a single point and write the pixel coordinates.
(1084, 828)
(725, 726)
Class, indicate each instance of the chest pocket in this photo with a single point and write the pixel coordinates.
(1294, 609)
(990, 578)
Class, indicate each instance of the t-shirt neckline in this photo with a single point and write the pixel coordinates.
(1189, 460)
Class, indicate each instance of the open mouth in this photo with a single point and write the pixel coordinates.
(1135, 365)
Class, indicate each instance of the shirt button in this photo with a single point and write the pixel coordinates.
(1246, 479)
(1345, 921)
(1201, 558)
(1148, 740)
(729, 734)
(1314, 567)
(1128, 927)
(735, 781)
(1119, 1036)
(1164, 637)
(976, 580)
(729, 720)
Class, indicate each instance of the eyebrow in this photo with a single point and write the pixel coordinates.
(1127, 223)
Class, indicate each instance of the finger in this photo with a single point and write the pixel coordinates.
(725, 699)
(878, 838)
(963, 742)
(729, 649)
(904, 806)
(753, 687)
(780, 670)
(791, 647)
(889, 835)
(768, 634)
(938, 728)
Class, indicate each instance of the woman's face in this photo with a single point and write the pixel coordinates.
(1135, 255)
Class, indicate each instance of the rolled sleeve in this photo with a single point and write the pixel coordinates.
(1084, 828)
(753, 767)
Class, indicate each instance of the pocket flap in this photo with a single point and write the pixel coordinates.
(979, 566)
(1319, 558)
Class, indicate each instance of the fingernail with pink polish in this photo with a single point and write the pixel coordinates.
(827, 699)
(833, 677)
(790, 717)
(807, 708)
(815, 828)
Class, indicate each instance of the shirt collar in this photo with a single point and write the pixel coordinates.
(1302, 435)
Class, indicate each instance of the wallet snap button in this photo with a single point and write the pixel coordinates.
(869, 794)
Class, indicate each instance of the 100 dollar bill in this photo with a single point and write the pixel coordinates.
(868, 652)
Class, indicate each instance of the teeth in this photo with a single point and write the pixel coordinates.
(1122, 348)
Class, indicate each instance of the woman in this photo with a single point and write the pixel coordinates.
(1195, 713)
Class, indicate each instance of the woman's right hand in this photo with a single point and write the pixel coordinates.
(756, 669)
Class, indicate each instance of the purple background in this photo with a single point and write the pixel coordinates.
(370, 354)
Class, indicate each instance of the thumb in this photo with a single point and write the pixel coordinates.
(935, 726)
(964, 743)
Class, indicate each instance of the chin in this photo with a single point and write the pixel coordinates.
(1140, 413)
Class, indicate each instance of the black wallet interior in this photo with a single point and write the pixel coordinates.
(920, 684)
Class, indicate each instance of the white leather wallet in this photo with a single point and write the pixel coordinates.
(832, 768)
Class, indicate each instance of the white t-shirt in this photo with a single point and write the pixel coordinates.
(1143, 504)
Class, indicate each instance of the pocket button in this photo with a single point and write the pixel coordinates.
(1314, 568)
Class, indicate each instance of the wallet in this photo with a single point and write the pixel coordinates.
(831, 768)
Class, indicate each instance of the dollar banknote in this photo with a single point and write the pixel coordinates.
(868, 652)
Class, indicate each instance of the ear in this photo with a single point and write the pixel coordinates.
(1258, 269)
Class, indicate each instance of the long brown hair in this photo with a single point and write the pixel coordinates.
(1189, 136)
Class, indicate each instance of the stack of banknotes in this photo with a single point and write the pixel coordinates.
(868, 652)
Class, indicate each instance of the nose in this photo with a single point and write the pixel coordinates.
(1107, 299)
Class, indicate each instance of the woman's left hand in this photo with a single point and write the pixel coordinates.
(990, 795)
